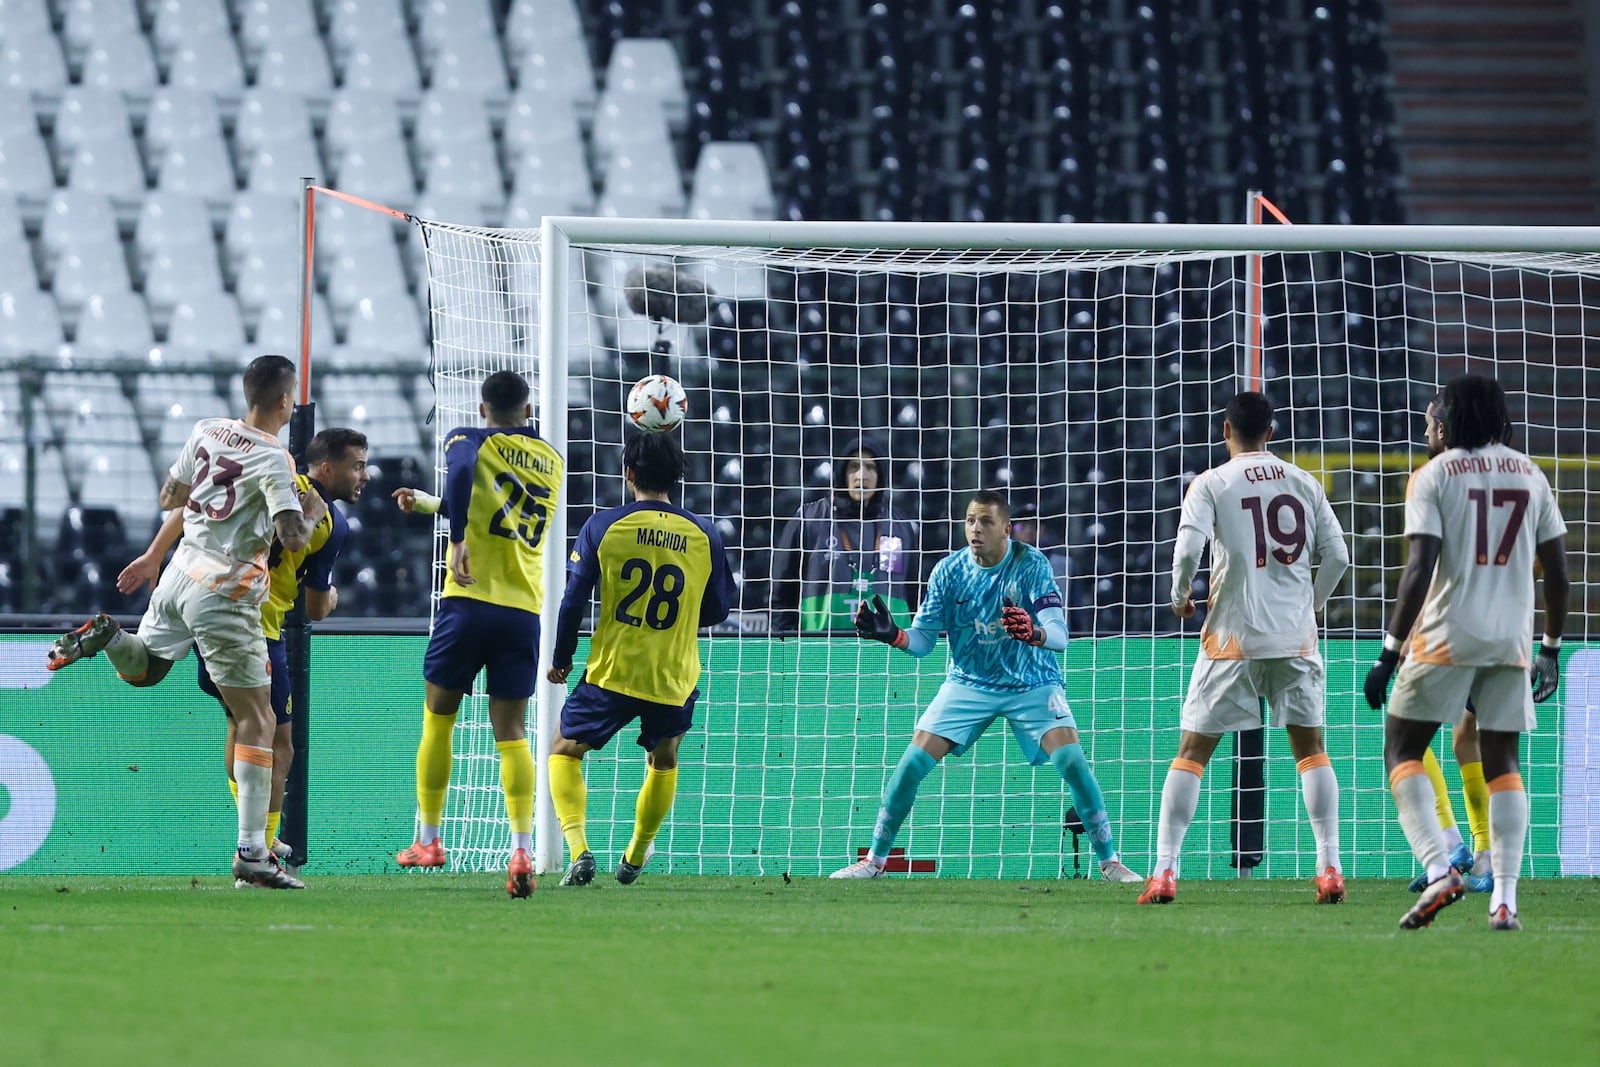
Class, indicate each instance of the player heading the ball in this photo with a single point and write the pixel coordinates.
(999, 604)
(1269, 524)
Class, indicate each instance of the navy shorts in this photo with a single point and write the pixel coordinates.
(592, 716)
(474, 635)
(277, 676)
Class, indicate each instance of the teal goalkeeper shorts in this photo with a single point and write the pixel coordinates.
(960, 714)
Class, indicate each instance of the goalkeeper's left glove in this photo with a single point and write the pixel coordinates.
(1376, 687)
(874, 622)
(1546, 672)
(1020, 625)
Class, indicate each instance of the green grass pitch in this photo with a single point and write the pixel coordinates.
(444, 969)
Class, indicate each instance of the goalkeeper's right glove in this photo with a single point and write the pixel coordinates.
(1546, 672)
(875, 623)
(1376, 688)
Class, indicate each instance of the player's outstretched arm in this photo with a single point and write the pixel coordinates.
(294, 528)
(1552, 556)
(418, 501)
(1413, 589)
(147, 567)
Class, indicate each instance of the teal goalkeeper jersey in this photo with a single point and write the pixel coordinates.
(964, 599)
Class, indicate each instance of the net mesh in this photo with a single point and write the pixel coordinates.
(1086, 387)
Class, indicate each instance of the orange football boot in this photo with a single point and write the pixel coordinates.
(1330, 887)
(420, 855)
(519, 875)
(1160, 888)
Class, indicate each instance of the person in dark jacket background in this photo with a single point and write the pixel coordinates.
(844, 548)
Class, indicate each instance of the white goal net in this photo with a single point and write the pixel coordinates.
(1084, 384)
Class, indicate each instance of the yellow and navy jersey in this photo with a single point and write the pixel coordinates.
(663, 574)
(312, 566)
(500, 485)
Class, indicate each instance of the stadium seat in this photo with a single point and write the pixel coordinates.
(86, 22)
(17, 270)
(385, 64)
(531, 24)
(207, 61)
(374, 405)
(256, 220)
(558, 186)
(269, 116)
(200, 166)
(122, 62)
(341, 225)
(466, 169)
(25, 16)
(32, 61)
(623, 121)
(90, 405)
(645, 172)
(379, 171)
(277, 327)
(352, 21)
(440, 22)
(75, 219)
(631, 202)
(110, 165)
(386, 322)
(115, 322)
(175, 276)
(118, 478)
(648, 70)
(175, 21)
(87, 115)
(268, 274)
(358, 272)
(278, 166)
(558, 71)
(263, 23)
(178, 115)
(170, 221)
(209, 322)
(30, 324)
(25, 168)
(157, 397)
(360, 116)
(534, 124)
(298, 62)
(732, 177)
(51, 483)
(470, 64)
(84, 272)
(448, 117)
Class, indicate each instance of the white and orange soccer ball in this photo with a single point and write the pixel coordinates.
(657, 404)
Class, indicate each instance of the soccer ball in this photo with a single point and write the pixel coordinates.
(657, 404)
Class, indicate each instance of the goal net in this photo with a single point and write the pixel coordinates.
(1079, 370)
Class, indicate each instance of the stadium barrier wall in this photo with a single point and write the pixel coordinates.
(96, 777)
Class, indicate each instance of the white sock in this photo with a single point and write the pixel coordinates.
(1508, 826)
(429, 834)
(1179, 798)
(255, 789)
(1452, 837)
(1320, 790)
(1481, 863)
(128, 655)
(1413, 798)
(522, 841)
(878, 861)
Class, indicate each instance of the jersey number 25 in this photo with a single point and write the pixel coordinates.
(522, 514)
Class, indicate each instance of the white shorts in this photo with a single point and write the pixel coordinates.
(1438, 692)
(1225, 694)
(184, 613)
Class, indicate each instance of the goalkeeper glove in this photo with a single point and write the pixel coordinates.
(1546, 672)
(875, 623)
(1020, 625)
(1378, 675)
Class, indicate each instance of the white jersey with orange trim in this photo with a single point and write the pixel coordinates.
(1268, 522)
(1490, 508)
(239, 477)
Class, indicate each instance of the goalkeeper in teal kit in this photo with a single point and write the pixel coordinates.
(999, 604)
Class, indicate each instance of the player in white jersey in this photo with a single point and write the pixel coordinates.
(1268, 523)
(236, 485)
(1477, 516)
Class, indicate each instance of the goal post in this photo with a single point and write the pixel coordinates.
(1078, 367)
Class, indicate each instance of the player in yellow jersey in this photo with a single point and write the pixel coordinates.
(337, 462)
(501, 480)
(663, 574)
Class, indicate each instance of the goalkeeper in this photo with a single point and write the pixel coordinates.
(1002, 610)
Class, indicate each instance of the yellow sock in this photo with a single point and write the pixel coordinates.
(433, 766)
(233, 786)
(273, 818)
(571, 800)
(1476, 793)
(1441, 792)
(655, 800)
(516, 780)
